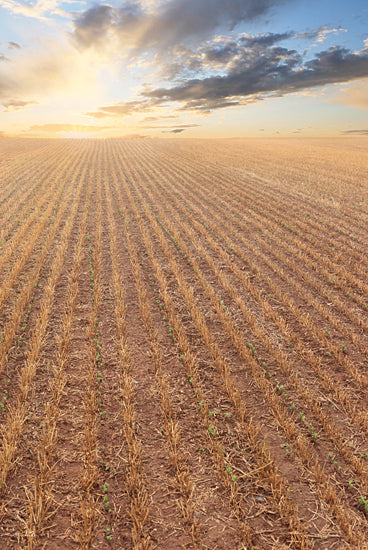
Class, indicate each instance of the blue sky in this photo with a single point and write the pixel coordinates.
(191, 68)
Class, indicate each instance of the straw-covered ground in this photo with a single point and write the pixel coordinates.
(183, 344)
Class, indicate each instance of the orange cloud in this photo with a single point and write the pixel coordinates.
(80, 128)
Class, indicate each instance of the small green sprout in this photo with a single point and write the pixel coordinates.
(364, 502)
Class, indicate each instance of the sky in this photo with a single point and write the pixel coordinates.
(184, 68)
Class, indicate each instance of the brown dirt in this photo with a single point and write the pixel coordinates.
(257, 250)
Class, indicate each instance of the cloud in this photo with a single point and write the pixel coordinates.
(264, 40)
(33, 72)
(175, 131)
(92, 26)
(363, 132)
(13, 45)
(4, 58)
(183, 19)
(119, 109)
(319, 35)
(225, 52)
(269, 71)
(244, 69)
(217, 55)
(154, 118)
(356, 95)
(182, 127)
(38, 10)
(16, 104)
(78, 128)
(142, 27)
(43, 10)
(51, 71)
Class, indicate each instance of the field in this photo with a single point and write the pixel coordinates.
(183, 344)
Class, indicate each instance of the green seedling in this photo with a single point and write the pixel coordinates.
(288, 449)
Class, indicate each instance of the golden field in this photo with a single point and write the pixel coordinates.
(184, 344)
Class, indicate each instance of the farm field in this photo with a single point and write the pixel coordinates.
(184, 344)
